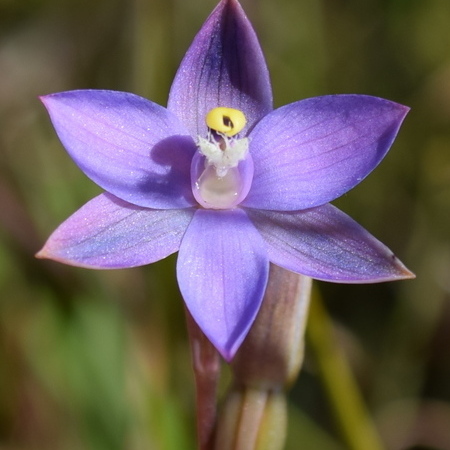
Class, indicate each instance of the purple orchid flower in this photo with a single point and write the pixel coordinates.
(224, 179)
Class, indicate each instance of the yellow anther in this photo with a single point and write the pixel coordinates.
(228, 121)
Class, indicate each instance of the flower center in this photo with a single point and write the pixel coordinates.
(222, 170)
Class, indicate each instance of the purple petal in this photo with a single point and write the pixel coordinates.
(222, 273)
(326, 244)
(313, 151)
(133, 148)
(108, 233)
(223, 67)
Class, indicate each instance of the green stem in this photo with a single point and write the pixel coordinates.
(252, 419)
(349, 409)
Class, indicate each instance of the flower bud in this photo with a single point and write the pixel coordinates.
(272, 353)
(254, 415)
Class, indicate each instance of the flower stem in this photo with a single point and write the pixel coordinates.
(252, 419)
(351, 415)
(206, 365)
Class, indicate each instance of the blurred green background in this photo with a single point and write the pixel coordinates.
(100, 360)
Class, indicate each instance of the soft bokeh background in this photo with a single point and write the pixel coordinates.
(100, 360)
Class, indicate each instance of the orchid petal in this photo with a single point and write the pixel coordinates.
(222, 273)
(131, 147)
(223, 67)
(313, 151)
(326, 244)
(109, 233)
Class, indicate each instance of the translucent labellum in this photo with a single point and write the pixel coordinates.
(216, 190)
